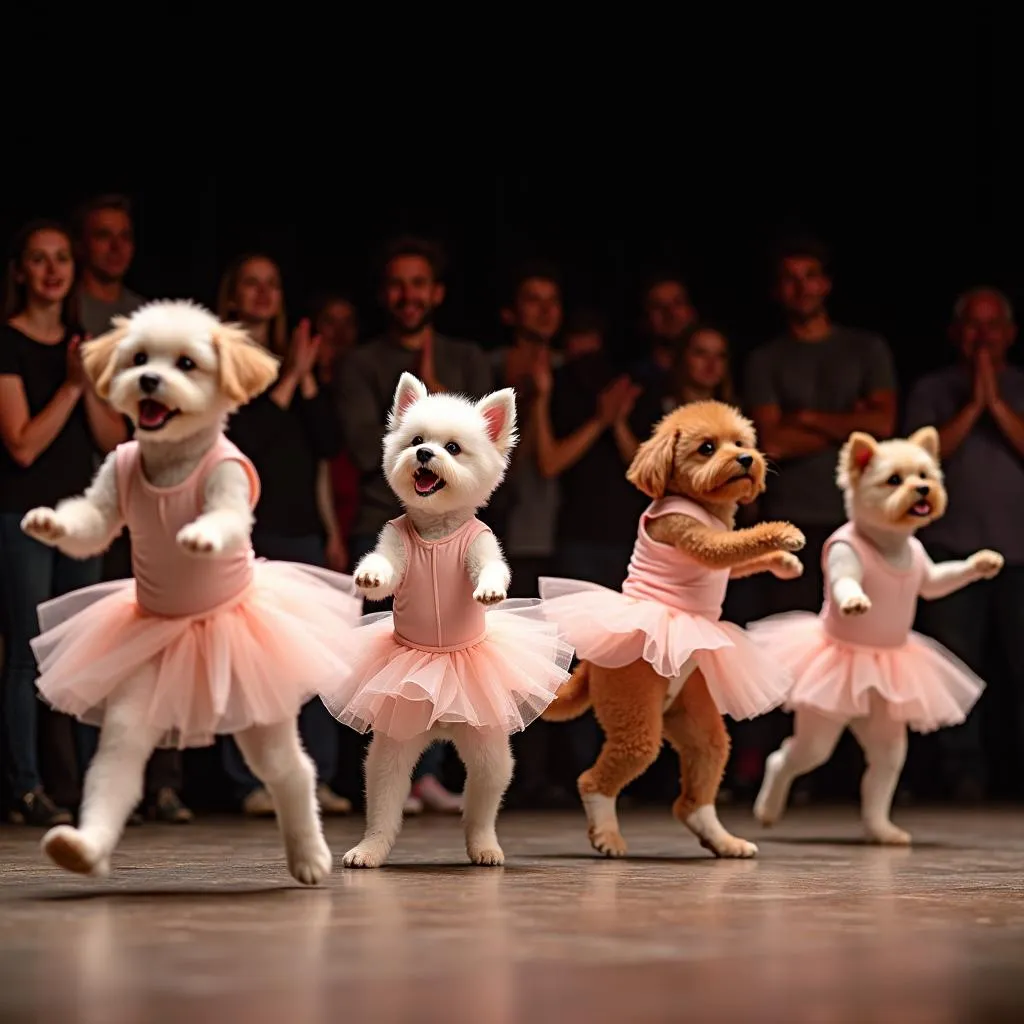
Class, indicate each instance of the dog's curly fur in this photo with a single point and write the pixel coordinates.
(629, 702)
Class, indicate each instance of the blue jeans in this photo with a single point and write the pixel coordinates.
(982, 619)
(30, 574)
(432, 760)
(318, 729)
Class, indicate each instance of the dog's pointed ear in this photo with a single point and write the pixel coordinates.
(499, 412)
(854, 457)
(410, 390)
(654, 462)
(99, 356)
(928, 439)
(246, 370)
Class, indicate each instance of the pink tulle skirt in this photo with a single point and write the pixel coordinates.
(252, 661)
(924, 685)
(610, 629)
(503, 682)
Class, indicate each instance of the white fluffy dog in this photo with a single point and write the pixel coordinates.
(177, 372)
(443, 457)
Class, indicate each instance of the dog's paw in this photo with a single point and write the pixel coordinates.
(487, 594)
(855, 604)
(784, 536)
(787, 566)
(69, 848)
(370, 853)
(374, 573)
(885, 833)
(200, 538)
(486, 853)
(986, 563)
(607, 841)
(729, 847)
(309, 858)
(44, 525)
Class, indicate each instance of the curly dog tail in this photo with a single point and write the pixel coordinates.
(573, 698)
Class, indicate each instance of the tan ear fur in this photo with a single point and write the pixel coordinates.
(653, 464)
(246, 370)
(99, 356)
(928, 439)
(854, 457)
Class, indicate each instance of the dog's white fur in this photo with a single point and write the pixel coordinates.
(881, 483)
(485, 435)
(228, 370)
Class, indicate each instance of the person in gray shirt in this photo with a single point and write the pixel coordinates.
(412, 289)
(807, 391)
(978, 407)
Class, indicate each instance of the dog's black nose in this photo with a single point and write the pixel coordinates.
(923, 489)
(746, 461)
(424, 455)
(148, 383)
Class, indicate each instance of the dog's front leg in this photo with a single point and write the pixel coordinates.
(487, 570)
(948, 577)
(81, 527)
(781, 564)
(724, 549)
(226, 520)
(379, 573)
(845, 574)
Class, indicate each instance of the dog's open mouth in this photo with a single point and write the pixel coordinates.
(744, 475)
(153, 415)
(922, 508)
(426, 482)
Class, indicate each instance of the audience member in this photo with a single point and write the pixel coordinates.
(53, 426)
(667, 312)
(286, 432)
(412, 289)
(533, 314)
(104, 238)
(978, 406)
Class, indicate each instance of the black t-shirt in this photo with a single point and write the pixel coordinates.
(285, 446)
(65, 468)
(598, 504)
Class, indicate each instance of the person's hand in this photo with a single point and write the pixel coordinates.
(303, 350)
(986, 387)
(337, 554)
(630, 395)
(611, 400)
(75, 370)
(543, 379)
(427, 372)
(807, 418)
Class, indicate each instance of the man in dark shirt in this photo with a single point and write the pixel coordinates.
(978, 407)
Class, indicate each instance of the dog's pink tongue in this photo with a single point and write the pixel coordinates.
(922, 508)
(151, 414)
(424, 481)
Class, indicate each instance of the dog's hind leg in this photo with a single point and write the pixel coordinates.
(389, 765)
(113, 782)
(884, 742)
(628, 703)
(488, 759)
(695, 728)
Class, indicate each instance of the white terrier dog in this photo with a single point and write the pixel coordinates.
(443, 457)
(860, 665)
(177, 372)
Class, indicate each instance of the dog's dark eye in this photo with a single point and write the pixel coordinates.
(707, 448)
(140, 359)
(185, 364)
(452, 448)
(895, 480)
(415, 441)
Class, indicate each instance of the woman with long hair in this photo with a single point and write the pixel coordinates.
(54, 427)
(288, 433)
(701, 367)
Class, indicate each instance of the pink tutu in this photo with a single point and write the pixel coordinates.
(611, 629)
(251, 661)
(503, 682)
(924, 685)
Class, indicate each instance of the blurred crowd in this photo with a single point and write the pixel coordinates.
(565, 508)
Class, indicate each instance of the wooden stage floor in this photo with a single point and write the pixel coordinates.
(201, 924)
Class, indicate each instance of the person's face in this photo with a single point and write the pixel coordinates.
(338, 329)
(411, 295)
(47, 267)
(669, 311)
(108, 244)
(537, 311)
(984, 325)
(802, 287)
(258, 294)
(706, 359)
(582, 343)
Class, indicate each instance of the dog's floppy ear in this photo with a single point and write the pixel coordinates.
(99, 356)
(246, 370)
(499, 412)
(654, 463)
(855, 457)
(928, 439)
(409, 391)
